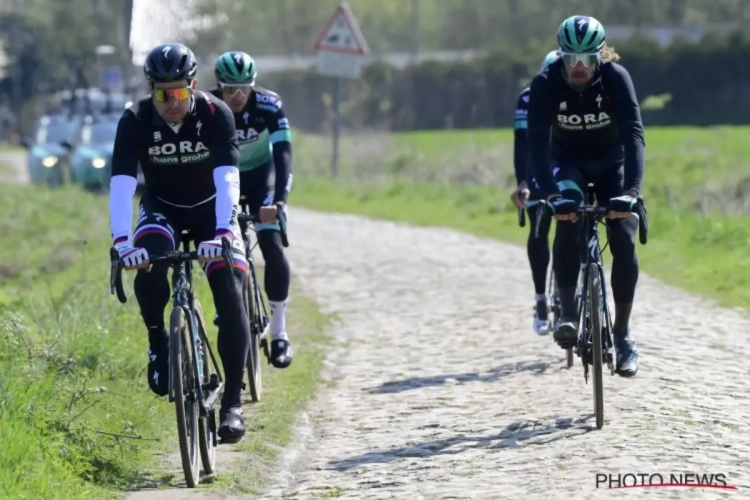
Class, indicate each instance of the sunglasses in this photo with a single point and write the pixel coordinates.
(163, 95)
(585, 59)
(232, 88)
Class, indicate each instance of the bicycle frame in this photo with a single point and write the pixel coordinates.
(183, 296)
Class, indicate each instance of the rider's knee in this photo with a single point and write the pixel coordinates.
(622, 238)
(271, 247)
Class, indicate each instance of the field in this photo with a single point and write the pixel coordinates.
(697, 190)
(76, 417)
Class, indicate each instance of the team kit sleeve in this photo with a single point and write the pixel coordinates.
(123, 182)
(281, 141)
(226, 152)
(628, 114)
(520, 125)
(539, 125)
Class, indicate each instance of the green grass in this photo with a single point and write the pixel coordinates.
(697, 189)
(76, 417)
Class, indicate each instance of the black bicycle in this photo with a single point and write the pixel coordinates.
(595, 341)
(255, 304)
(195, 380)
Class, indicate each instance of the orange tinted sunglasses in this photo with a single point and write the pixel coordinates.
(163, 95)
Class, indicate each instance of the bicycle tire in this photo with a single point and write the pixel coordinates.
(253, 354)
(595, 313)
(185, 403)
(208, 438)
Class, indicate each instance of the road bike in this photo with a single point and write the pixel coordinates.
(195, 380)
(255, 304)
(595, 340)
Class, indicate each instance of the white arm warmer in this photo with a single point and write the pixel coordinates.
(121, 192)
(227, 182)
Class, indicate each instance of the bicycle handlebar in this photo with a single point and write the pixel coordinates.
(172, 257)
(599, 212)
(280, 215)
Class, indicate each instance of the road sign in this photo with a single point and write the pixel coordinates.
(111, 76)
(341, 49)
(341, 45)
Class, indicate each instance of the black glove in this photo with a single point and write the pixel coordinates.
(562, 206)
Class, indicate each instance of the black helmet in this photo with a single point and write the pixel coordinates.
(170, 62)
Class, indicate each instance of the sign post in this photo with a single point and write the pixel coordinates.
(341, 48)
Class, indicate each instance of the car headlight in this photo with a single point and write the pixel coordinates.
(98, 163)
(49, 161)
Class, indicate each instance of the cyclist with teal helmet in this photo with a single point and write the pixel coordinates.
(537, 248)
(584, 117)
(265, 141)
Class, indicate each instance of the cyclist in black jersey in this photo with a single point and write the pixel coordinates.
(588, 104)
(265, 142)
(527, 194)
(185, 143)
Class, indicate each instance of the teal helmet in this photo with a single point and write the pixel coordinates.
(236, 67)
(550, 58)
(580, 35)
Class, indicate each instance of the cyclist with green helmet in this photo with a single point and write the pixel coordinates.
(588, 104)
(265, 141)
(527, 189)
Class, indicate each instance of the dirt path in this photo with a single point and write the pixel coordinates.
(13, 167)
(445, 392)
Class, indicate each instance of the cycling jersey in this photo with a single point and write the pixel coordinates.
(520, 123)
(183, 165)
(265, 137)
(600, 121)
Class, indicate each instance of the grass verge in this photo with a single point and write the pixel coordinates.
(696, 197)
(76, 418)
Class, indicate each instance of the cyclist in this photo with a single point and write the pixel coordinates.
(186, 145)
(265, 142)
(588, 103)
(537, 248)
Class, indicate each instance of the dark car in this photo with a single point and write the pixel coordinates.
(48, 157)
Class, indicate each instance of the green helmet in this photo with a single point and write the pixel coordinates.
(236, 67)
(580, 35)
(550, 58)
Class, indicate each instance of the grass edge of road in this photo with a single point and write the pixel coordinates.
(76, 418)
(700, 254)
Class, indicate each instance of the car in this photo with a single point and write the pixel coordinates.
(91, 158)
(48, 158)
(91, 152)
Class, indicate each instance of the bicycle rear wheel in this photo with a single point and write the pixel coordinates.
(207, 430)
(595, 334)
(256, 330)
(554, 295)
(186, 409)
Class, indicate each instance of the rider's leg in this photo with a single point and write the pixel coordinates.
(156, 234)
(234, 333)
(566, 257)
(537, 248)
(625, 270)
(260, 184)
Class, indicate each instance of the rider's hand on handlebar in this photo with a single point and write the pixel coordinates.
(563, 208)
(132, 257)
(209, 251)
(268, 213)
(621, 207)
(520, 195)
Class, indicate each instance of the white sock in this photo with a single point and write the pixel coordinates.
(541, 297)
(278, 319)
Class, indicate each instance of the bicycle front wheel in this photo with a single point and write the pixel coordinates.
(256, 330)
(186, 409)
(207, 431)
(595, 335)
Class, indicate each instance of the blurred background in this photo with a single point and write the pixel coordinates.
(67, 68)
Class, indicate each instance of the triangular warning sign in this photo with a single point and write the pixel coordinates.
(342, 34)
